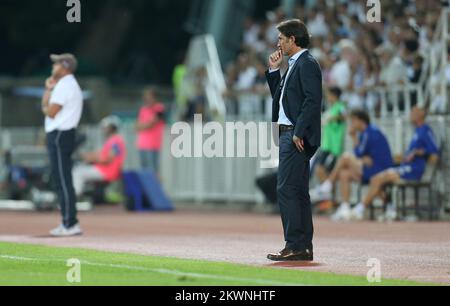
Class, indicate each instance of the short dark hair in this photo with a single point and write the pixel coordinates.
(335, 91)
(361, 115)
(296, 28)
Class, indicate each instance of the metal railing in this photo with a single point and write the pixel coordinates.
(391, 102)
(396, 100)
(434, 79)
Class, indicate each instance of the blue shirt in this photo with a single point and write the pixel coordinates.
(373, 143)
(423, 139)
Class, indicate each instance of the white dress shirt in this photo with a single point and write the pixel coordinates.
(282, 118)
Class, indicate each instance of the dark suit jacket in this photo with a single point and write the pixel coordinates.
(302, 99)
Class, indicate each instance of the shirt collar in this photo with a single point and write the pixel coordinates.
(69, 76)
(370, 127)
(423, 126)
(296, 56)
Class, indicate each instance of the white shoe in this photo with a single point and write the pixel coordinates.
(58, 231)
(62, 231)
(391, 213)
(319, 195)
(343, 214)
(357, 214)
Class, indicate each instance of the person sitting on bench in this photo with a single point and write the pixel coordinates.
(106, 165)
(372, 155)
(422, 146)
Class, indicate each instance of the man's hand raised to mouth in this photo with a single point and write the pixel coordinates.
(275, 60)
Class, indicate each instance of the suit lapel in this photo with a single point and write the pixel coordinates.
(286, 83)
(280, 87)
(295, 67)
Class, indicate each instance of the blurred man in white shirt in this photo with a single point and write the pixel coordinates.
(62, 105)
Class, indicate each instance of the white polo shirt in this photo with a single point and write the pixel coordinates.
(67, 93)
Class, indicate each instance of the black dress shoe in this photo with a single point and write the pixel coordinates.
(290, 255)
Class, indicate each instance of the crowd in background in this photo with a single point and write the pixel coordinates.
(356, 56)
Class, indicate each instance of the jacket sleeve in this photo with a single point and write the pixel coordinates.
(273, 79)
(311, 81)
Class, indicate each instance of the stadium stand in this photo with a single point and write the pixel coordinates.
(381, 67)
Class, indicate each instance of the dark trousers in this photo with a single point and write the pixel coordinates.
(293, 194)
(61, 146)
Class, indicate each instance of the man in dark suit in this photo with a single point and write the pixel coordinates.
(297, 104)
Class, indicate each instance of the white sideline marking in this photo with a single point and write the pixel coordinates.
(16, 205)
(16, 258)
(160, 271)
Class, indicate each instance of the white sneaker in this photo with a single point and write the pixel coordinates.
(319, 195)
(62, 231)
(58, 231)
(343, 214)
(391, 213)
(358, 213)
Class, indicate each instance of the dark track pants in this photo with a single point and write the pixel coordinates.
(293, 194)
(61, 146)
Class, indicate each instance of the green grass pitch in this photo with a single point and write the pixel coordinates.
(38, 265)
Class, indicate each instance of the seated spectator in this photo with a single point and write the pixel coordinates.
(372, 155)
(333, 135)
(393, 71)
(106, 165)
(415, 71)
(422, 146)
(341, 72)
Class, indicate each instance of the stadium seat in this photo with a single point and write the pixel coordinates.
(426, 183)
